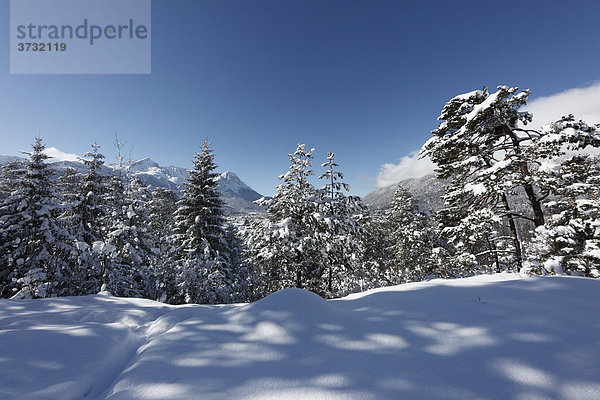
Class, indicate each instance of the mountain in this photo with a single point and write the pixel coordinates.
(238, 196)
(427, 192)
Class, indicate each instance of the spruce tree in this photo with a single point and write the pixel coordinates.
(288, 248)
(12, 194)
(84, 196)
(200, 235)
(125, 251)
(569, 241)
(161, 209)
(341, 230)
(413, 239)
(40, 249)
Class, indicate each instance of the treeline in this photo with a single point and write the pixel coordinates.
(86, 232)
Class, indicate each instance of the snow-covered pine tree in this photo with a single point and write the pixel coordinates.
(84, 196)
(341, 230)
(479, 146)
(241, 277)
(377, 264)
(40, 250)
(200, 235)
(161, 209)
(12, 194)
(570, 240)
(413, 239)
(288, 249)
(125, 251)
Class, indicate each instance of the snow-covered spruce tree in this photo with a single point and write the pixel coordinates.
(125, 252)
(37, 260)
(200, 235)
(479, 147)
(341, 231)
(413, 240)
(11, 229)
(161, 209)
(570, 240)
(242, 278)
(476, 242)
(288, 249)
(84, 196)
(376, 268)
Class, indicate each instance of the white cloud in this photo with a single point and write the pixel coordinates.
(410, 166)
(58, 155)
(583, 103)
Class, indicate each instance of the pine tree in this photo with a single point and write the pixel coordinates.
(125, 251)
(37, 260)
(288, 249)
(378, 267)
(161, 209)
(199, 217)
(12, 194)
(341, 230)
(413, 239)
(84, 196)
(480, 145)
(200, 235)
(570, 240)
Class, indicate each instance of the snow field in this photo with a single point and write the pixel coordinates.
(487, 337)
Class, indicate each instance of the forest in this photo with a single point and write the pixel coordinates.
(517, 199)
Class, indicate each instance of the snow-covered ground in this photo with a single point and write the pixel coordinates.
(487, 337)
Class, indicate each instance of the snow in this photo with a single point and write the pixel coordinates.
(486, 337)
(479, 108)
(476, 188)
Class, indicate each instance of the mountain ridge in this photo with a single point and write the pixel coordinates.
(238, 197)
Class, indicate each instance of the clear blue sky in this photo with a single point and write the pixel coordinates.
(365, 79)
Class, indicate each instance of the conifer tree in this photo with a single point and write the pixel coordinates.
(412, 239)
(288, 248)
(200, 235)
(12, 194)
(479, 145)
(199, 217)
(84, 196)
(341, 229)
(569, 241)
(126, 251)
(161, 209)
(37, 260)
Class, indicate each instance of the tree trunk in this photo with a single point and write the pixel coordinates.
(513, 232)
(536, 205)
(299, 279)
(538, 213)
(494, 251)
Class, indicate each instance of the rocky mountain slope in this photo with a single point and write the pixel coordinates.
(427, 192)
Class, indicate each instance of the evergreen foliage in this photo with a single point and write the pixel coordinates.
(203, 255)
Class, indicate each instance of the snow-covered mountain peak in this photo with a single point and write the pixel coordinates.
(144, 164)
(238, 196)
(232, 182)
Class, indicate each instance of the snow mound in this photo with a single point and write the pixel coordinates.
(292, 300)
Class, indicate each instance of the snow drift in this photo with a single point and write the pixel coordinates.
(487, 337)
